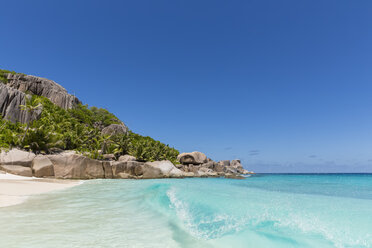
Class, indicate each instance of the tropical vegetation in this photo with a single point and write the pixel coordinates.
(51, 128)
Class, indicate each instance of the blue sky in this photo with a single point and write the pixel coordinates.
(284, 85)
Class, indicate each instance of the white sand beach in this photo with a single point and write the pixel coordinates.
(16, 189)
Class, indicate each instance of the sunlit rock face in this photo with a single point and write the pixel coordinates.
(13, 94)
(43, 87)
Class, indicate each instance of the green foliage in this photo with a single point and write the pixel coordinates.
(148, 149)
(3, 78)
(93, 116)
(10, 134)
(78, 129)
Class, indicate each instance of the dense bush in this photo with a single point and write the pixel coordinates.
(78, 129)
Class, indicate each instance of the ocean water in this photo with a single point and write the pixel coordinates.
(271, 211)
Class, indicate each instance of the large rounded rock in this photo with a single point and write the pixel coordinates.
(73, 166)
(159, 169)
(192, 158)
(17, 157)
(150, 172)
(17, 170)
(115, 129)
(132, 168)
(42, 166)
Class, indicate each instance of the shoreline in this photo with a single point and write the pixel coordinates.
(15, 189)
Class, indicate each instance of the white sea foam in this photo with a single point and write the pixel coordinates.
(203, 227)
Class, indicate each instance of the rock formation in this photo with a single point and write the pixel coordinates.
(42, 166)
(199, 164)
(192, 158)
(10, 101)
(42, 87)
(70, 165)
(115, 129)
(12, 95)
(17, 162)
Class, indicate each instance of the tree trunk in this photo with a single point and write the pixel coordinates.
(24, 136)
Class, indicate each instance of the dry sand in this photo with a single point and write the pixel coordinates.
(16, 189)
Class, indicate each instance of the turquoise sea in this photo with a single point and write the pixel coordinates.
(268, 211)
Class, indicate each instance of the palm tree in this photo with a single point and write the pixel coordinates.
(122, 144)
(31, 107)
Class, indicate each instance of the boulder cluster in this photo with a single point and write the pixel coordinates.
(200, 165)
(71, 165)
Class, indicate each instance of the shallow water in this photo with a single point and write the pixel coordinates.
(260, 211)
